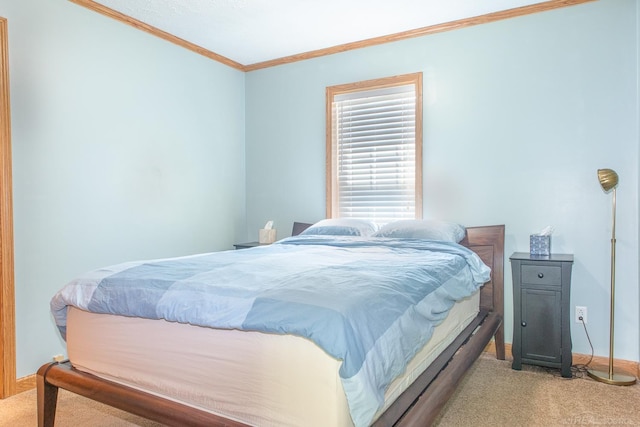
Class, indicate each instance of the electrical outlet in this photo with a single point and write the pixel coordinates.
(581, 312)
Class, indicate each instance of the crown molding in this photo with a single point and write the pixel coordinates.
(418, 32)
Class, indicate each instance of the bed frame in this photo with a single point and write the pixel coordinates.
(419, 405)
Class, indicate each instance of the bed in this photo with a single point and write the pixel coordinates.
(431, 378)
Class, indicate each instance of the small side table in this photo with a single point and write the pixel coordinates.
(246, 245)
(541, 307)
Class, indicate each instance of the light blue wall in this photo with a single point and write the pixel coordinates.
(121, 137)
(518, 116)
(124, 147)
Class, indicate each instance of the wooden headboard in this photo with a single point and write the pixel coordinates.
(488, 243)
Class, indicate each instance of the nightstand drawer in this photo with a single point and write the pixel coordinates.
(541, 275)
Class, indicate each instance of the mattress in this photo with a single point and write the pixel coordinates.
(256, 378)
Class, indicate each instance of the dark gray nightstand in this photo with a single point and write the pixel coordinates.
(541, 310)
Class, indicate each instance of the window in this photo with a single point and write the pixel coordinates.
(374, 149)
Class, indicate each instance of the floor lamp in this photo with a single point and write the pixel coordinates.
(609, 180)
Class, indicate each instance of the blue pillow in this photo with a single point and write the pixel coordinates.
(341, 227)
(423, 229)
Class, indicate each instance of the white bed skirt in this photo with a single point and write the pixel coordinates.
(256, 378)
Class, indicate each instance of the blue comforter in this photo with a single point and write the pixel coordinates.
(372, 303)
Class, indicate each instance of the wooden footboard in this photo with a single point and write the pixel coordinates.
(419, 405)
(52, 376)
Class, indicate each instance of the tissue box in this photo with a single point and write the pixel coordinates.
(267, 235)
(540, 245)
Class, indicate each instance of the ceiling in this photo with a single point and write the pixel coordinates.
(257, 31)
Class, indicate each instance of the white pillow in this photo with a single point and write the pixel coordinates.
(423, 229)
(342, 227)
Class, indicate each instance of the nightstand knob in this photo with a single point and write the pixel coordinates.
(540, 275)
(524, 324)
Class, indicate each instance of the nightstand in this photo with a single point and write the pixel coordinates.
(246, 245)
(541, 310)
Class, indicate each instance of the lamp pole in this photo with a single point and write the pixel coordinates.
(609, 180)
(613, 287)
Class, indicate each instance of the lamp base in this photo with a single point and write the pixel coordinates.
(616, 379)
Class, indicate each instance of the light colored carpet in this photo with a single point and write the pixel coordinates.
(492, 394)
(73, 411)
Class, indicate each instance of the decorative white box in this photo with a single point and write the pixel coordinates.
(540, 245)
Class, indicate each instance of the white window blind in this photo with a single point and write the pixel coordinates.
(374, 153)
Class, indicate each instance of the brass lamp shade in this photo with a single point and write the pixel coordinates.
(608, 178)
